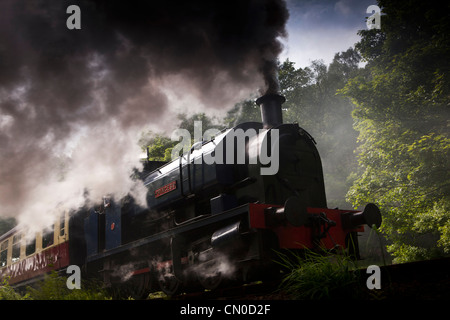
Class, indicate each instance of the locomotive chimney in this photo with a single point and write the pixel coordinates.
(270, 105)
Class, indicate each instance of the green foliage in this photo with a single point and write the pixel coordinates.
(160, 146)
(187, 123)
(245, 111)
(8, 293)
(401, 112)
(319, 276)
(54, 287)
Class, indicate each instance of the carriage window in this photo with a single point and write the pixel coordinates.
(3, 253)
(62, 223)
(47, 237)
(16, 248)
(31, 246)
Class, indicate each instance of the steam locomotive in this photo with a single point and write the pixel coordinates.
(206, 221)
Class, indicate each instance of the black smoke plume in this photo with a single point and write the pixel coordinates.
(73, 101)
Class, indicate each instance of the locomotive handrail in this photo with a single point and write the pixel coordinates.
(192, 219)
(181, 176)
(241, 183)
(189, 166)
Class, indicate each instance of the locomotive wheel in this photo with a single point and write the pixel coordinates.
(210, 279)
(211, 282)
(139, 286)
(168, 283)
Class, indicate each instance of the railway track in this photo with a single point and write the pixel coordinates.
(424, 280)
(268, 290)
(421, 280)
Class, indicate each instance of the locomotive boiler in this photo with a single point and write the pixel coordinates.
(221, 210)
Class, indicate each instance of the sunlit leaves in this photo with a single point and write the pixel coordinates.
(401, 112)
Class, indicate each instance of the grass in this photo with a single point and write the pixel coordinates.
(319, 275)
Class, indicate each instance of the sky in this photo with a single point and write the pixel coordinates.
(317, 29)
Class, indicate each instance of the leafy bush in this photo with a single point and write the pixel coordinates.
(8, 293)
(54, 287)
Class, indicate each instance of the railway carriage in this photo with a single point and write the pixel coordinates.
(25, 257)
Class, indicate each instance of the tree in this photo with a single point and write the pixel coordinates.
(159, 147)
(244, 111)
(401, 113)
(188, 123)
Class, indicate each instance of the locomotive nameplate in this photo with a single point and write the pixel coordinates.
(165, 189)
